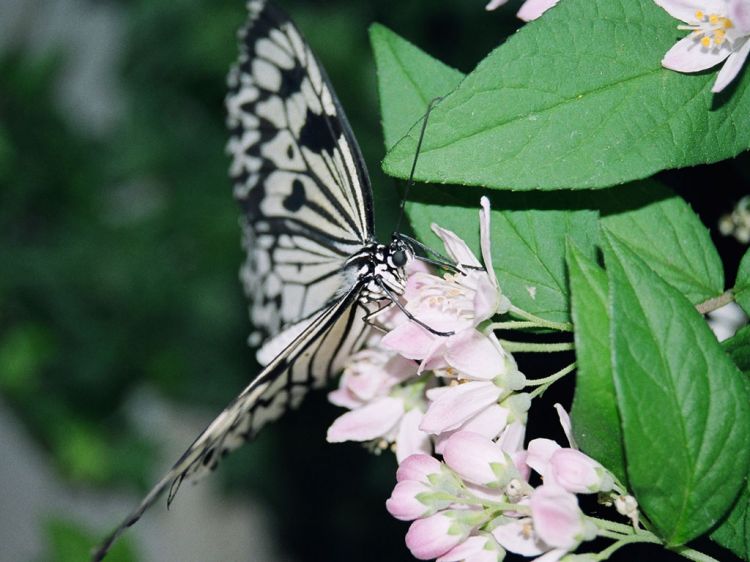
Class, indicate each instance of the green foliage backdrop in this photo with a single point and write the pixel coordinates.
(119, 255)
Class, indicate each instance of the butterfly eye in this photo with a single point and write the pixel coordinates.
(399, 258)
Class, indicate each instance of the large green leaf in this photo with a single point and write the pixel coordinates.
(408, 80)
(579, 99)
(684, 405)
(670, 237)
(742, 286)
(528, 234)
(596, 423)
(734, 531)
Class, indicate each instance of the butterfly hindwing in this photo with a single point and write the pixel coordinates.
(326, 341)
(297, 173)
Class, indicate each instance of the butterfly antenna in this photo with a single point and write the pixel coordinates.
(410, 182)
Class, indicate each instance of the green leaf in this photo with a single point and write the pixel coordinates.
(667, 234)
(596, 423)
(738, 348)
(408, 80)
(528, 240)
(742, 286)
(734, 531)
(579, 99)
(684, 406)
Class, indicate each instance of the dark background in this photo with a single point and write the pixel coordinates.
(119, 252)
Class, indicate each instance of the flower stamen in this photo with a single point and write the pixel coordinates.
(708, 28)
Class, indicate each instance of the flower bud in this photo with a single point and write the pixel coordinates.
(478, 460)
(435, 535)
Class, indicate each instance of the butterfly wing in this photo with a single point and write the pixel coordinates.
(297, 173)
(324, 343)
(307, 202)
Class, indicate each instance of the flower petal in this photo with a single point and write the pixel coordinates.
(480, 548)
(516, 537)
(458, 404)
(683, 10)
(403, 503)
(410, 439)
(566, 424)
(532, 9)
(557, 518)
(494, 4)
(739, 13)
(456, 247)
(430, 537)
(732, 67)
(369, 422)
(474, 457)
(409, 340)
(688, 55)
(484, 238)
(540, 452)
(418, 467)
(475, 355)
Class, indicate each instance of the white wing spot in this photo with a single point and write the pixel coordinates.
(266, 75)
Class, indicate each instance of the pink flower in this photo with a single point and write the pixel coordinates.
(435, 535)
(381, 406)
(530, 10)
(405, 503)
(451, 406)
(454, 303)
(568, 467)
(720, 33)
(558, 521)
(517, 536)
(479, 548)
(418, 467)
(478, 460)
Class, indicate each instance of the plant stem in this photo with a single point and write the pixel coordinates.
(545, 383)
(559, 326)
(691, 554)
(717, 302)
(514, 346)
(512, 325)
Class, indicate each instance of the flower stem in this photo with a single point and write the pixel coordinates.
(512, 325)
(626, 540)
(691, 554)
(546, 382)
(717, 302)
(514, 346)
(559, 326)
(625, 534)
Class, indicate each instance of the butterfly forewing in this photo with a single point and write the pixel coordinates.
(297, 173)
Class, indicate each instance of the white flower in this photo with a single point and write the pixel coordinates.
(720, 33)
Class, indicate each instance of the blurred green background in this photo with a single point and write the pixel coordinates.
(122, 321)
(119, 253)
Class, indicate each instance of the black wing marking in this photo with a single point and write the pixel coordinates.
(297, 173)
(319, 351)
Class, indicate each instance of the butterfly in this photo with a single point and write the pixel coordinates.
(314, 272)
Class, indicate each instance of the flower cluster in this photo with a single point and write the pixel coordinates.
(392, 398)
(461, 397)
(478, 504)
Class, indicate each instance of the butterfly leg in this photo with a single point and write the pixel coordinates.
(409, 315)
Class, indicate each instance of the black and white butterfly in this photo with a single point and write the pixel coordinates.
(314, 272)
